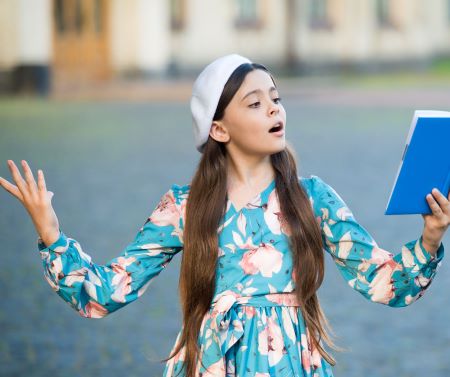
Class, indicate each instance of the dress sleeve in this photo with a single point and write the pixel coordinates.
(379, 275)
(95, 290)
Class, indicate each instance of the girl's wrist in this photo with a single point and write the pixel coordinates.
(50, 237)
(431, 241)
(431, 248)
(433, 236)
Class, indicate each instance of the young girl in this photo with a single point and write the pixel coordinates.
(253, 235)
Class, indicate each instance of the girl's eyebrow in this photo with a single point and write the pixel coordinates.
(272, 88)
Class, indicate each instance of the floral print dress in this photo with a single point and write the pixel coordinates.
(254, 326)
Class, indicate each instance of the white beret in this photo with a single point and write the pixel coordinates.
(206, 93)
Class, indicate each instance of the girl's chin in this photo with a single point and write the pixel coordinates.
(276, 147)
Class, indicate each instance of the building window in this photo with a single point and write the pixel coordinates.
(247, 14)
(72, 16)
(177, 14)
(318, 14)
(383, 13)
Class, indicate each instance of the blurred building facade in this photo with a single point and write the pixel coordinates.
(56, 41)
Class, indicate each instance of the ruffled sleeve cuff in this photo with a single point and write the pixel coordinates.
(59, 245)
(428, 257)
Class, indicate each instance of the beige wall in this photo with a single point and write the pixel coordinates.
(205, 38)
(141, 37)
(140, 34)
(421, 29)
(25, 32)
(9, 10)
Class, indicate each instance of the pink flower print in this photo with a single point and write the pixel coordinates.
(220, 252)
(306, 353)
(283, 299)
(306, 362)
(293, 276)
(221, 304)
(180, 356)
(294, 311)
(224, 303)
(242, 223)
(311, 356)
(183, 205)
(228, 206)
(273, 217)
(262, 375)
(93, 310)
(247, 244)
(408, 257)
(76, 276)
(56, 265)
(249, 311)
(125, 261)
(311, 199)
(231, 368)
(422, 281)
(378, 257)
(271, 343)
(152, 249)
(166, 212)
(325, 214)
(265, 260)
(381, 286)
(318, 220)
(122, 278)
(345, 245)
(288, 317)
(220, 295)
(316, 358)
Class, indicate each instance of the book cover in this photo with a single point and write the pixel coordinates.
(425, 164)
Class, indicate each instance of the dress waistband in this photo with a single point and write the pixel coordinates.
(226, 323)
(225, 301)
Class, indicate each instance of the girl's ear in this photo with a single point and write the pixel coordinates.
(219, 132)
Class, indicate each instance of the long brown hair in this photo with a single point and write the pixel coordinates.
(200, 237)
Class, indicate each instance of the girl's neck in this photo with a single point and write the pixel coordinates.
(249, 172)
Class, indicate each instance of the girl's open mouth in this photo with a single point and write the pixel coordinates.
(278, 129)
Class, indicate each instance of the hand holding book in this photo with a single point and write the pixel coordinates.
(436, 223)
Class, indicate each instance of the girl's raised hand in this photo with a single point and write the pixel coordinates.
(36, 200)
(438, 221)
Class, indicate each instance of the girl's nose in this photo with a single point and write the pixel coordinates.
(274, 109)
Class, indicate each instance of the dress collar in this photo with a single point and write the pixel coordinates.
(258, 201)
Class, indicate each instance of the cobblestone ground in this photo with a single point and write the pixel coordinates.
(108, 162)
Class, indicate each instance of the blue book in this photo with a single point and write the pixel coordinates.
(425, 164)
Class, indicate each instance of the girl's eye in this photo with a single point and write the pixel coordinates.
(277, 100)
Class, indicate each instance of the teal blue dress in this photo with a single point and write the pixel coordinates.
(254, 326)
